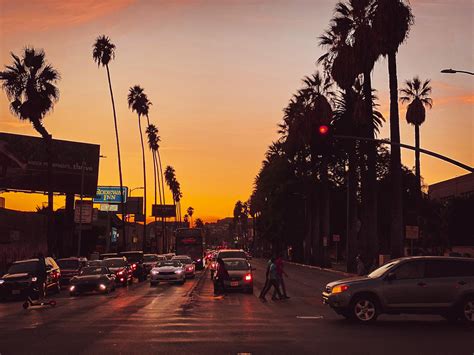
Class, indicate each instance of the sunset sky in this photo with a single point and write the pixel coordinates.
(219, 73)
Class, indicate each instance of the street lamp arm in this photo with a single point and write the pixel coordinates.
(453, 71)
(421, 150)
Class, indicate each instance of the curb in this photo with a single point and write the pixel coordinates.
(321, 269)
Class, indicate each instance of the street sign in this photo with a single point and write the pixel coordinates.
(163, 211)
(105, 207)
(336, 238)
(110, 194)
(86, 214)
(411, 232)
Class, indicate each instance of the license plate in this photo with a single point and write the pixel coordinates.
(15, 292)
(234, 283)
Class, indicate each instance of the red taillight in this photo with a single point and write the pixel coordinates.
(120, 272)
(248, 277)
(134, 266)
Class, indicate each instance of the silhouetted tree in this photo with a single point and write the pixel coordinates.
(190, 212)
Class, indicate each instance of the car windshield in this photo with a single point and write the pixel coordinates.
(150, 258)
(236, 265)
(174, 263)
(68, 263)
(382, 270)
(114, 262)
(134, 258)
(232, 254)
(25, 267)
(93, 271)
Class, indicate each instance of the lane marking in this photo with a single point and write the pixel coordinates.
(309, 317)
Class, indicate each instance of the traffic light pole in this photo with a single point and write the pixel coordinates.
(406, 146)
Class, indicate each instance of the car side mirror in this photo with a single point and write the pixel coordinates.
(391, 276)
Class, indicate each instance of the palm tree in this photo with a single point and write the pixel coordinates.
(199, 223)
(418, 93)
(30, 85)
(190, 212)
(392, 22)
(139, 103)
(103, 52)
(170, 179)
(153, 144)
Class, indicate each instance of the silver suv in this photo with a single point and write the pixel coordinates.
(420, 285)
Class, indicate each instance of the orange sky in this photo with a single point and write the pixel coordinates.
(219, 73)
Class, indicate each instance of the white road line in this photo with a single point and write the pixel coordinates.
(309, 317)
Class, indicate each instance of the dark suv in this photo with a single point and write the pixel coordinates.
(420, 285)
(70, 267)
(23, 279)
(135, 260)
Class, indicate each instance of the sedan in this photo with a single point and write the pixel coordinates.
(188, 263)
(122, 270)
(168, 271)
(92, 279)
(240, 275)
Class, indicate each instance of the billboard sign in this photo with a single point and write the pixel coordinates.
(108, 208)
(24, 165)
(110, 194)
(86, 214)
(163, 210)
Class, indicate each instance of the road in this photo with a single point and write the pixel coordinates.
(172, 319)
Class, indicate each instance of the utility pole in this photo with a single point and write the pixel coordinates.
(80, 210)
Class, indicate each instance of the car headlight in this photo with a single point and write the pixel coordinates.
(102, 287)
(155, 272)
(72, 288)
(339, 288)
(34, 279)
(178, 272)
(2, 281)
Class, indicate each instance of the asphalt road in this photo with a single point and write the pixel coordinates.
(172, 319)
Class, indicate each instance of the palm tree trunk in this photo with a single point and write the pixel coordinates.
(163, 193)
(122, 202)
(417, 161)
(371, 221)
(144, 182)
(351, 247)
(396, 227)
(325, 211)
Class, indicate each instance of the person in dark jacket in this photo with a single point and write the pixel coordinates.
(221, 275)
(272, 281)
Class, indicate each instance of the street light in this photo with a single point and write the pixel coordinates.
(453, 71)
(135, 188)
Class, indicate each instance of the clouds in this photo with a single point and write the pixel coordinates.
(41, 15)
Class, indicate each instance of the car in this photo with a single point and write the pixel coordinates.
(135, 259)
(92, 279)
(417, 285)
(94, 263)
(22, 279)
(189, 267)
(231, 253)
(70, 267)
(108, 255)
(169, 256)
(121, 268)
(240, 275)
(150, 260)
(168, 271)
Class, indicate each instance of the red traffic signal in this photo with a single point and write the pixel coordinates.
(323, 130)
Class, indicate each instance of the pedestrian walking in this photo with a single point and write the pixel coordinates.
(267, 272)
(280, 272)
(272, 282)
(220, 277)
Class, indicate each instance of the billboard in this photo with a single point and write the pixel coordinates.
(24, 165)
(163, 210)
(110, 194)
(86, 215)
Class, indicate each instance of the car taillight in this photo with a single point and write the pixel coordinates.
(248, 277)
(134, 266)
(120, 272)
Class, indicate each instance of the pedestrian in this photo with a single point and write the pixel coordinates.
(267, 272)
(360, 266)
(220, 277)
(272, 281)
(281, 272)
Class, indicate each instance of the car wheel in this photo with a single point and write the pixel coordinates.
(467, 310)
(365, 309)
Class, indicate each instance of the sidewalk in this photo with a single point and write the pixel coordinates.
(339, 268)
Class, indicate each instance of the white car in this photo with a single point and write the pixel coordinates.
(168, 271)
(188, 263)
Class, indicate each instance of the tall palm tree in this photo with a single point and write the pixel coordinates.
(103, 52)
(153, 144)
(392, 22)
(190, 212)
(418, 93)
(170, 179)
(30, 85)
(139, 103)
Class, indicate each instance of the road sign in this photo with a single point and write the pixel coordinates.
(110, 194)
(163, 211)
(86, 214)
(105, 207)
(336, 238)
(411, 232)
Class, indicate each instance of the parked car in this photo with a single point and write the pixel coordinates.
(120, 268)
(150, 260)
(70, 267)
(168, 271)
(189, 267)
(240, 275)
(420, 285)
(92, 279)
(169, 256)
(232, 253)
(23, 279)
(108, 255)
(135, 259)
(94, 263)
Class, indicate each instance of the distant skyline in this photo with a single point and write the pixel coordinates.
(219, 73)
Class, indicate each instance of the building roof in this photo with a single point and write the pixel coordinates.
(456, 187)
